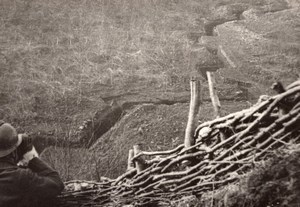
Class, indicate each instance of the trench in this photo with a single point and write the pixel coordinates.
(101, 123)
(111, 115)
(106, 119)
(210, 26)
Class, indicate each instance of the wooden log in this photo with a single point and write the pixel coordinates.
(182, 158)
(155, 153)
(129, 173)
(189, 139)
(139, 164)
(140, 184)
(233, 147)
(213, 94)
(211, 184)
(144, 175)
(202, 148)
(130, 163)
(293, 85)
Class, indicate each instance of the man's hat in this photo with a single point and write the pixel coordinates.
(9, 139)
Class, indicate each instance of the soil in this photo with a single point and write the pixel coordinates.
(81, 57)
(155, 127)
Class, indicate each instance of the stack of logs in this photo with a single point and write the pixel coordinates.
(224, 149)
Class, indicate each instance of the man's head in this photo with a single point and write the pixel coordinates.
(9, 139)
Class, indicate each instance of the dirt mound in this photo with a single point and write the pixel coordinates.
(264, 49)
(252, 14)
(229, 12)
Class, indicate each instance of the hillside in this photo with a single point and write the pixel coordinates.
(61, 62)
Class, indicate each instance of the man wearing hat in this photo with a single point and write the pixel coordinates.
(35, 185)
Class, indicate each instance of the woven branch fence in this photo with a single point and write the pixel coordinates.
(225, 148)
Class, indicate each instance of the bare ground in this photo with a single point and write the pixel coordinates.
(63, 61)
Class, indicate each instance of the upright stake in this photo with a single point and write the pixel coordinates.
(194, 107)
(130, 164)
(213, 94)
(139, 165)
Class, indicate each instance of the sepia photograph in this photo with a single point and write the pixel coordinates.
(150, 103)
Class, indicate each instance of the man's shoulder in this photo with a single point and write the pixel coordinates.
(12, 172)
(23, 176)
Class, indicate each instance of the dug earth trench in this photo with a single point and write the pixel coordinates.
(258, 43)
(251, 44)
(155, 127)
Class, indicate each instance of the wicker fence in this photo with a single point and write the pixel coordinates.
(225, 148)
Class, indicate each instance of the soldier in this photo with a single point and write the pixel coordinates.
(36, 185)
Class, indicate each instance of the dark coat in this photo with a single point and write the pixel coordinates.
(33, 186)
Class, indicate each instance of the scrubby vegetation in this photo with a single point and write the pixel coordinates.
(274, 182)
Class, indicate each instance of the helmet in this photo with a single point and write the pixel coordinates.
(9, 139)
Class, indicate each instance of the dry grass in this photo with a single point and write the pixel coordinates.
(55, 53)
(59, 57)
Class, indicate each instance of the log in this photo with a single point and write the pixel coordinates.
(139, 164)
(130, 164)
(189, 139)
(129, 173)
(213, 94)
(155, 153)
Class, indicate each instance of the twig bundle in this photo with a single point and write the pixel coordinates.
(225, 148)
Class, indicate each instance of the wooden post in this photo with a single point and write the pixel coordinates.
(130, 164)
(194, 107)
(213, 94)
(139, 165)
(214, 98)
